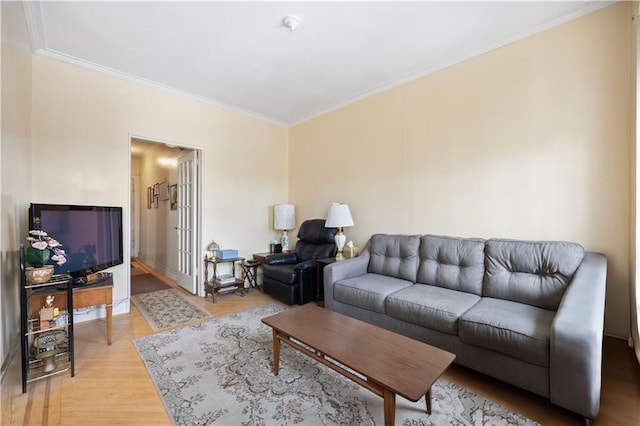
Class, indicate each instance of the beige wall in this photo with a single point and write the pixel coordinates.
(531, 141)
(15, 167)
(80, 127)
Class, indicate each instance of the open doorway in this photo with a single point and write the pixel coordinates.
(159, 209)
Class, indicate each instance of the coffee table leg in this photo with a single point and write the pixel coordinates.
(276, 353)
(389, 408)
(427, 398)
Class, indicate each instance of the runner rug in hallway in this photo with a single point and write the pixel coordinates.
(167, 308)
(145, 283)
(220, 371)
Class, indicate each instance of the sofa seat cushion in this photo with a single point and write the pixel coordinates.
(367, 291)
(514, 329)
(430, 306)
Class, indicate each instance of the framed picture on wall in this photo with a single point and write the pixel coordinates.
(163, 191)
(173, 196)
(149, 196)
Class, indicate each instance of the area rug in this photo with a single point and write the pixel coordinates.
(167, 308)
(146, 283)
(220, 372)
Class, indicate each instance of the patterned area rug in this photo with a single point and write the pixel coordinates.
(220, 372)
(167, 308)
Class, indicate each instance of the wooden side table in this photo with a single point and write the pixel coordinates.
(320, 264)
(261, 257)
(83, 297)
(213, 286)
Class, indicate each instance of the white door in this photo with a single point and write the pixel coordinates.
(186, 228)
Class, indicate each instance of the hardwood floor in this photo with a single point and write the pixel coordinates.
(112, 386)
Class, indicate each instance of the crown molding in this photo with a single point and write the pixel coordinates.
(35, 24)
(49, 53)
(471, 53)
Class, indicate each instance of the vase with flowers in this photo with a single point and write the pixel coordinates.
(42, 249)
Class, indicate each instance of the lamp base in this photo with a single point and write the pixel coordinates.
(284, 240)
(340, 240)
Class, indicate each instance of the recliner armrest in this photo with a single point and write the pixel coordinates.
(307, 264)
(281, 259)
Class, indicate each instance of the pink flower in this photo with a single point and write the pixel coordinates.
(60, 260)
(40, 245)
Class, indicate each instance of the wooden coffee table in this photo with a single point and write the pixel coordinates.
(386, 363)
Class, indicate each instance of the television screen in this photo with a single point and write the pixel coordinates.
(90, 235)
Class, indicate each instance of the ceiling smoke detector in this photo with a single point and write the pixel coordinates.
(291, 22)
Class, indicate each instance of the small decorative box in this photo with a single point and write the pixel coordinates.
(227, 254)
(46, 314)
(350, 252)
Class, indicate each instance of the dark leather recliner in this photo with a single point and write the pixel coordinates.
(291, 277)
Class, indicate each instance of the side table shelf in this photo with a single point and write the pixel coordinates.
(221, 284)
(46, 349)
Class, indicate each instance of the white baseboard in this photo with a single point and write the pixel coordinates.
(90, 313)
(163, 269)
(15, 347)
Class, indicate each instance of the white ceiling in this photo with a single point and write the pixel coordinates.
(240, 56)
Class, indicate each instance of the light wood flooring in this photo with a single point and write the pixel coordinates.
(112, 386)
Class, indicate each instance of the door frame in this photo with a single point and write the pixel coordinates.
(199, 190)
(135, 183)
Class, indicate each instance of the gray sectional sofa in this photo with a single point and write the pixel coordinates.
(530, 313)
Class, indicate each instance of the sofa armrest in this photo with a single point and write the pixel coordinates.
(576, 340)
(281, 259)
(342, 270)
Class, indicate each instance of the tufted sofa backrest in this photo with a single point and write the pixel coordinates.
(533, 272)
(394, 256)
(453, 263)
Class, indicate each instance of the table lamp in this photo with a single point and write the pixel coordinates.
(339, 216)
(284, 219)
(212, 250)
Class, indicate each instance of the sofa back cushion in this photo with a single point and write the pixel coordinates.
(394, 256)
(532, 272)
(453, 263)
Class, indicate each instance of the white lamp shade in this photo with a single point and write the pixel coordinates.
(284, 217)
(339, 216)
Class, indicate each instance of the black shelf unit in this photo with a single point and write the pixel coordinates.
(32, 367)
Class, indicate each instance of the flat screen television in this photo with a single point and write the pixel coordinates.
(91, 236)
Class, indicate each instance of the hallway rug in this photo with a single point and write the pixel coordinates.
(146, 283)
(168, 308)
(220, 372)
